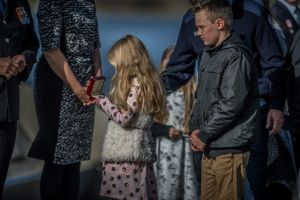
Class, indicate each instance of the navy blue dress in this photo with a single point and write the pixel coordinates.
(65, 126)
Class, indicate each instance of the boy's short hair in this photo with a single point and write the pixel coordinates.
(216, 9)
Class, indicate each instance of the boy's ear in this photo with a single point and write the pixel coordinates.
(220, 24)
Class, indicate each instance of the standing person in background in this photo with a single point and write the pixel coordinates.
(136, 99)
(174, 169)
(294, 97)
(287, 15)
(281, 171)
(181, 65)
(18, 48)
(71, 55)
(251, 22)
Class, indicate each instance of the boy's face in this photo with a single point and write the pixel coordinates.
(208, 31)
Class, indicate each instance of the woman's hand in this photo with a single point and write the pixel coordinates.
(81, 94)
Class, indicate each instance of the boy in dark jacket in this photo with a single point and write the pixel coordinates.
(227, 103)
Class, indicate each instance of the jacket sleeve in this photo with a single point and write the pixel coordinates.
(272, 62)
(159, 130)
(181, 64)
(29, 47)
(234, 90)
(194, 119)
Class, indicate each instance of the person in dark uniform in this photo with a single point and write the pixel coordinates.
(287, 14)
(294, 94)
(18, 48)
(71, 55)
(250, 21)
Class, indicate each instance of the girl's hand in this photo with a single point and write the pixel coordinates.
(174, 133)
(91, 102)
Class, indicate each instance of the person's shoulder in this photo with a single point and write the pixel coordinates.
(279, 9)
(188, 16)
(253, 6)
(238, 49)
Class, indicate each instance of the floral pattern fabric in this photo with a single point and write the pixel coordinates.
(175, 172)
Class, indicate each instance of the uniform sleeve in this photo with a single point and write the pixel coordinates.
(116, 114)
(272, 62)
(30, 46)
(181, 65)
(50, 21)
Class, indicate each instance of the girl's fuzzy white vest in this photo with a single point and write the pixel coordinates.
(133, 143)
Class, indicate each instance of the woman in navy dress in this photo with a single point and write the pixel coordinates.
(71, 54)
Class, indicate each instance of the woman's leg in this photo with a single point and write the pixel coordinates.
(71, 181)
(51, 181)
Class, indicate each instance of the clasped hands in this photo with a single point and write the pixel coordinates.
(196, 143)
(12, 66)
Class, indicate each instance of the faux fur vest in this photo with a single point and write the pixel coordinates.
(133, 143)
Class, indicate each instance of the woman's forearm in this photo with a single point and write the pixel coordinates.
(58, 63)
(97, 62)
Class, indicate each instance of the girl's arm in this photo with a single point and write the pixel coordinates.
(116, 114)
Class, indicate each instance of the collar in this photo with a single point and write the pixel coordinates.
(220, 46)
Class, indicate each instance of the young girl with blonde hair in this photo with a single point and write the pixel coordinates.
(136, 99)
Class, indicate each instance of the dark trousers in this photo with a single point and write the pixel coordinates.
(296, 146)
(257, 165)
(7, 142)
(60, 182)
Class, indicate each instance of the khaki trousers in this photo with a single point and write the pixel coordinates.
(222, 178)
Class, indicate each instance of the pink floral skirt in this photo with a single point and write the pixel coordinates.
(128, 181)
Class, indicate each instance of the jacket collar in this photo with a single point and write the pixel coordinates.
(233, 41)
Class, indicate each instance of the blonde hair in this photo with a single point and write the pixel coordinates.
(188, 89)
(131, 60)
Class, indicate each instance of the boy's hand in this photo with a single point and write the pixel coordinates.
(174, 133)
(196, 143)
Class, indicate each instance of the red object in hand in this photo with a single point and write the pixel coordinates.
(95, 86)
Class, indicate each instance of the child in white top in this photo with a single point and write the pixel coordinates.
(136, 98)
